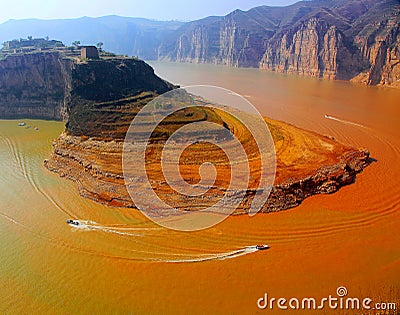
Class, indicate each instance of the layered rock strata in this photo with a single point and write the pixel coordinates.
(338, 39)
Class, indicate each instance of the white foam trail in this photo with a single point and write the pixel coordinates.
(238, 253)
(344, 121)
(93, 226)
(229, 255)
(131, 228)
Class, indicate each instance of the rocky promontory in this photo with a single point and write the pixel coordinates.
(98, 98)
(57, 84)
(307, 164)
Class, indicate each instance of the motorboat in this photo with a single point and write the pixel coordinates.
(262, 246)
(73, 222)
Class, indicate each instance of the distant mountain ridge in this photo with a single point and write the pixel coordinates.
(121, 35)
(335, 39)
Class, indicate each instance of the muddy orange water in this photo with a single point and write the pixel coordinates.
(122, 263)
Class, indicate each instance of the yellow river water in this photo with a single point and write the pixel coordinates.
(121, 263)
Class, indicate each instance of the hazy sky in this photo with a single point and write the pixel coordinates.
(153, 9)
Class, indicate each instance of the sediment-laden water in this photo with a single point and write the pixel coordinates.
(117, 261)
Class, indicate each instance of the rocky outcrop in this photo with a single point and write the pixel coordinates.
(338, 39)
(105, 95)
(234, 40)
(50, 85)
(329, 166)
(381, 47)
(325, 180)
(314, 48)
(34, 85)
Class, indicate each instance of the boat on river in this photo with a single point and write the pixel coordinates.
(73, 222)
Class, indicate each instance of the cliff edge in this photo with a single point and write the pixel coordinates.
(53, 85)
(333, 39)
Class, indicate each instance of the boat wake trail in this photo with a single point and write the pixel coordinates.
(27, 171)
(222, 256)
(90, 225)
(14, 152)
(11, 219)
(85, 225)
(344, 121)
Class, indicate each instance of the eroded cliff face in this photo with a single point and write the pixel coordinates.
(337, 39)
(381, 47)
(238, 46)
(234, 40)
(50, 85)
(363, 48)
(105, 95)
(313, 48)
(35, 85)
